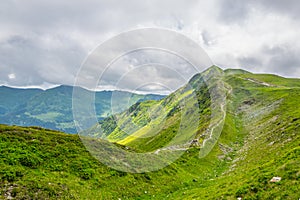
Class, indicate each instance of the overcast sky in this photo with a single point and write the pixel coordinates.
(44, 43)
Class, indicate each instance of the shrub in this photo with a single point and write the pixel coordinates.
(11, 174)
(30, 160)
(87, 174)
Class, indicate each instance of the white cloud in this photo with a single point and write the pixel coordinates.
(11, 76)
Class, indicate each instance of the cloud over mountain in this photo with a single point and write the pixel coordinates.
(44, 43)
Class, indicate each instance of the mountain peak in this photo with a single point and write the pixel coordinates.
(214, 67)
(211, 72)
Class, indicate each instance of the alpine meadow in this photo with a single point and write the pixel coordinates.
(259, 141)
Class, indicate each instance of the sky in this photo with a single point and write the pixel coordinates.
(44, 43)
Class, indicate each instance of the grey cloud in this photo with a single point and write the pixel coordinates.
(280, 60)
(43, 41)
(143, 47)
(33, 63)
(91, 15)
(283, 59)
(233, 10)
(47, 41)
(208, 38)
(288, 7)
(249, 62)
(148, 66)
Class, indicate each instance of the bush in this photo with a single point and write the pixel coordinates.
(87, 174)
(30, 160)
(241, 191)
(11, 174)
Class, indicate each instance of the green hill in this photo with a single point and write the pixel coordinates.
(259, 141)
(52, 108)
(149, 125)
(13, 98)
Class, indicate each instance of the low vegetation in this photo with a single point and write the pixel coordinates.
(259, 140)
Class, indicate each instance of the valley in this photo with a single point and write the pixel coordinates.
(52, 108)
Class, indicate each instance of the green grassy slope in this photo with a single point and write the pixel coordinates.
(38, 164)
(149, 125)
(259, 140)
(262, 133)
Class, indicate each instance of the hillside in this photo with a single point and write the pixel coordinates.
(259, 140)
(150, 123)
(52, 108)
(13, 98)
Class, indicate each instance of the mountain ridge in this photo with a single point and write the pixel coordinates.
(258, 141)
(52, 108)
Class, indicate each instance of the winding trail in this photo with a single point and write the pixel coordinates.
(258, 82)
(186, 146)
(219, 124)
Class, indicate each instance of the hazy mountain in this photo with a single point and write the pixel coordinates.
(52, 108)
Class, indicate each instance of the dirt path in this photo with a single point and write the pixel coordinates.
(186, 146)
(259, 82)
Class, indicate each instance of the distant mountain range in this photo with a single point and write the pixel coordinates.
(52, 108)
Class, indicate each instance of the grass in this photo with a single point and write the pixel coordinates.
(149, 125)
(39, 163)
(259, 140)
